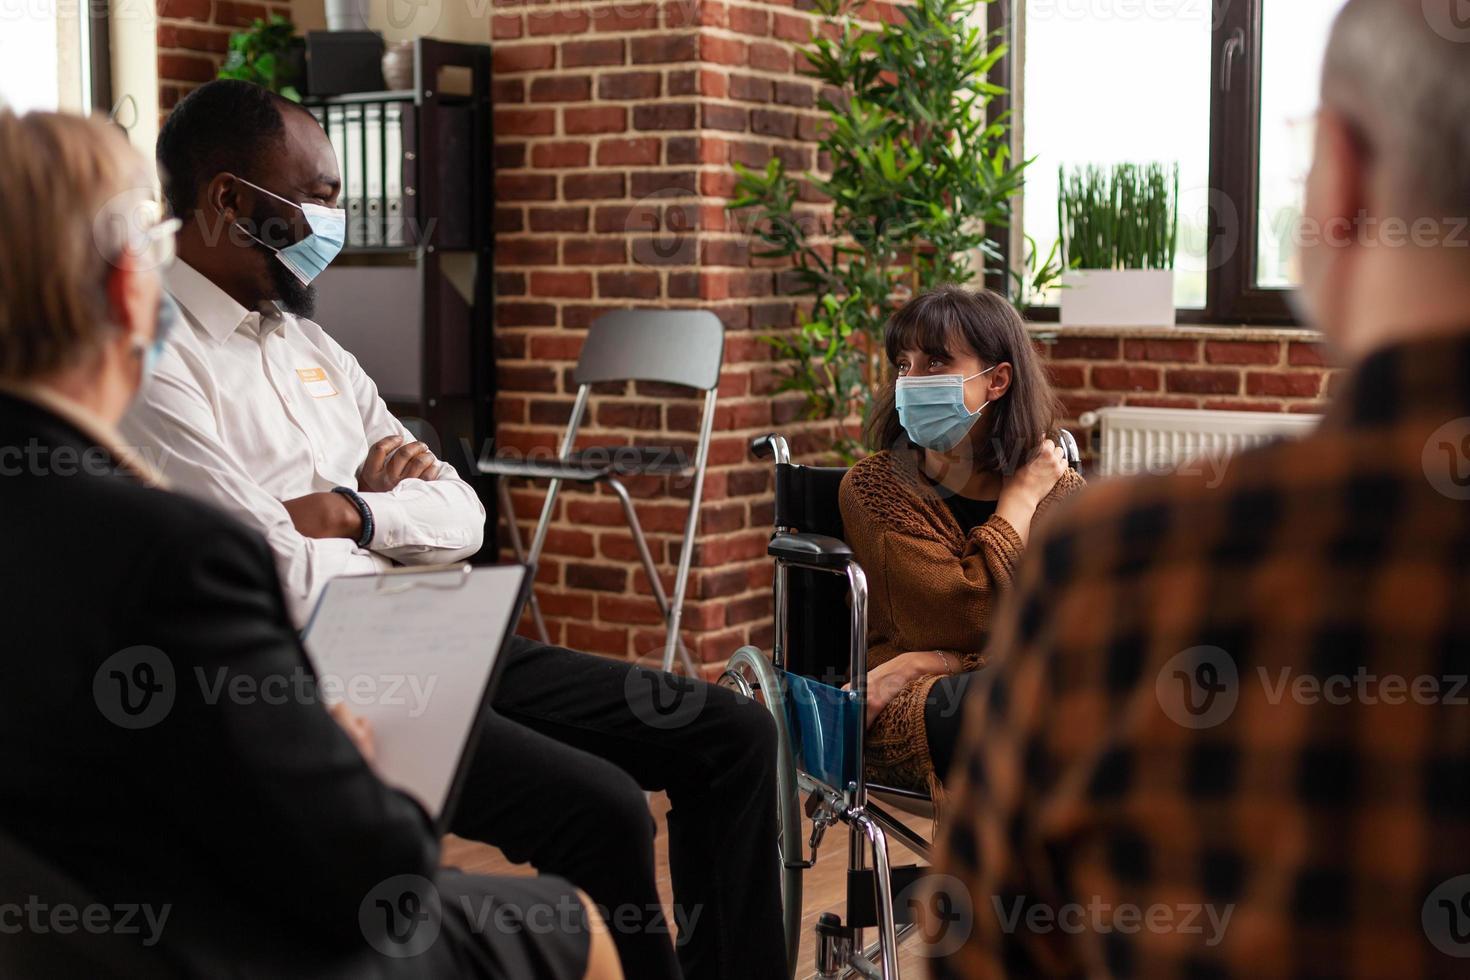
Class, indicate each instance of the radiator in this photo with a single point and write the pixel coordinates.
(1160, 440)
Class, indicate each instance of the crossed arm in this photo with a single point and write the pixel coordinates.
(389, 462)
(422, 511)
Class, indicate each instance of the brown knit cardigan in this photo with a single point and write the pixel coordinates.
(930, 587)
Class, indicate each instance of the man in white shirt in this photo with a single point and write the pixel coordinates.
(263, 414)
(254, 408)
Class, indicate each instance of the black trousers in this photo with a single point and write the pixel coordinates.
(944, 718)
(558, 778)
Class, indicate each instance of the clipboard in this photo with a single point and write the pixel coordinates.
(418, 652)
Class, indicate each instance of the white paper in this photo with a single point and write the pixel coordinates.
(412, 652)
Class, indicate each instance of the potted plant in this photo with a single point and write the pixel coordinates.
(917, 174)
(269, 54)
(1118, 227)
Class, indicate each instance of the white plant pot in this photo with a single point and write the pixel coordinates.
(1118, 298)
(347, 15)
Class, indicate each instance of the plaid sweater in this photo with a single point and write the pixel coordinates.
(1226, 727)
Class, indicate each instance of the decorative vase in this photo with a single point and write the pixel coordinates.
(347, 15)
(1118, 298)
(398, 65)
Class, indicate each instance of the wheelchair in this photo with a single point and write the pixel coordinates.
(819, 584)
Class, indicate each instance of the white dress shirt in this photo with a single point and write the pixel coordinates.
(247, 409)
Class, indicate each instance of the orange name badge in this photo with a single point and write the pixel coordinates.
(318, 385)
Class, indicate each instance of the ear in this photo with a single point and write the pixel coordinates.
(1000, 381)
(222, 194)
(1338, 184)
(132, 299)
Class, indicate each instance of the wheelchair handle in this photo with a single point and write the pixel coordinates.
(772, 445)
(1069, 447)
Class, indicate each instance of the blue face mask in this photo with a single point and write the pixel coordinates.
(168, 315)
(932, 409)
(307, 258)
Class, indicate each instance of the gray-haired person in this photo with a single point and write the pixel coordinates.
(211, 836)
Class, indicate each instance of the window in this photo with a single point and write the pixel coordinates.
(1293, 42)
(1112, 90)
(55, 56)
(1227, 89)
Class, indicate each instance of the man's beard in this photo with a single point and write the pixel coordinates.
(290, 293)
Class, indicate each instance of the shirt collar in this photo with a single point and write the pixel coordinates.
(1411, 381)
(215, 311)
(90, 425)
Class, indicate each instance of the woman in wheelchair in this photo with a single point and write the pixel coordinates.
(939, 517)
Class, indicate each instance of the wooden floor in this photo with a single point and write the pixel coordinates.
(823, 886)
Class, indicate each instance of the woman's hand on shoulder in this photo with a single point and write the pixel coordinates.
(1022, 492)
(1033, 481)
(892, 676)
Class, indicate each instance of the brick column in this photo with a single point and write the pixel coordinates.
(616, 126)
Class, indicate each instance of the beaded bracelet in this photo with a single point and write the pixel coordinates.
(362, 509)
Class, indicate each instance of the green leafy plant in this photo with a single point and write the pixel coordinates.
(918, 177)
(1121, 217)
(266, 56)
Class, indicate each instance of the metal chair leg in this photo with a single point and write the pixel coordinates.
(507, 507)
(887, 932)
(691, 526)
(655, 583)
(857, 860)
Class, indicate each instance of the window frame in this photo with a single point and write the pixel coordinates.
(99, 54)
(1231, 294)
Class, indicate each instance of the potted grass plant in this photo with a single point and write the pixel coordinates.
(1118, 228)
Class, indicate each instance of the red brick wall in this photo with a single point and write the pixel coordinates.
(193, 36)
(1223, 368)
(616, 126)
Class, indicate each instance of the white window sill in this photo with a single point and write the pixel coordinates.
(1184, 331)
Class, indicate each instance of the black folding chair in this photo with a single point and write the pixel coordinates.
(818, 586)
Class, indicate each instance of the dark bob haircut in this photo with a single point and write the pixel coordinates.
(945, 321)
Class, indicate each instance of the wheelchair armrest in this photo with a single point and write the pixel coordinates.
(811, 549)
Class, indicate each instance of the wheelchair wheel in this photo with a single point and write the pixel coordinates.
(752, 674)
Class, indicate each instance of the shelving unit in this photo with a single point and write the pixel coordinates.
(411, 295)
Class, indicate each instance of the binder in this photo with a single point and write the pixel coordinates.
(374, 205)
(352, 173)
(337, 135)
(398, 161)
(376, 145)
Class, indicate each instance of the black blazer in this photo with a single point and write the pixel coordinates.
(129, 616)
